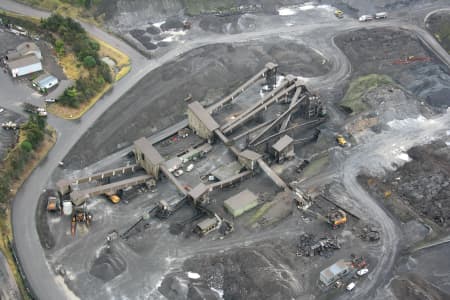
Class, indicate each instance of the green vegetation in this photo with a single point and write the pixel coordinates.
(35, 140)
(359, 87)
(12, 167)
(68, 34)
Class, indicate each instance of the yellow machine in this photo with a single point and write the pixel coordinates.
(339, 13)
(113, 197)
(337, 218)
(341, 140)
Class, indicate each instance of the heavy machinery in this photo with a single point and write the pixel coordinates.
(113, 197)
(80, 216)
(337, 218)
(341, 140)
(53, 204)
(33, 109)
(339, 13)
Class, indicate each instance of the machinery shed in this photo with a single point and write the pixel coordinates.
(284, 148)
(24, 65)
(334, 272)
(201, 122)
(249, 158)
(45, 81)
(241, 203)
(148, 157)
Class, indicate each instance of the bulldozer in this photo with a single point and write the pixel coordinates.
(339, 13)
(337, 218)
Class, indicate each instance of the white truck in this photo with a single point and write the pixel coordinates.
(381, 15)
(365, 18)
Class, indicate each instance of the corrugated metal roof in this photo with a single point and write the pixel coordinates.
(198, 191)
(335, 269)
(282, 143)
(202, 114)
(205, 224)
(249, 154)
(241, 200)
(23, 61)
(150, 153)
(45, 81)
(27, 46)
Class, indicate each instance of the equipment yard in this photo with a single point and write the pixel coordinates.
(263, 151)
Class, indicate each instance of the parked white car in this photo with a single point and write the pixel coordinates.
(362, 272)
(350, 286)
(50, 100)
(178, 172)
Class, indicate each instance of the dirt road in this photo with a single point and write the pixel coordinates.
(30, 252)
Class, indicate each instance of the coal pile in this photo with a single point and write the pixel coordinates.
(308, 246)
(172, 23)
(153, 30)
(108, 265)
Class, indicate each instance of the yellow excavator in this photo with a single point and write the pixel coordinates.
(339, 13)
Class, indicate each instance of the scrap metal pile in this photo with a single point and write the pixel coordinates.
(309, 246)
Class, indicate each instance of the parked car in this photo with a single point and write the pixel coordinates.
(2, 110)
(362, 272)
(350, 286)
(50, 100)
(178, 172)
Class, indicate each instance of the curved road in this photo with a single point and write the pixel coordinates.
(40, 277)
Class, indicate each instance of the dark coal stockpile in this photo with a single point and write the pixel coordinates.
(399, 54)
(108, 265)
(208, 73)
(263, 272)
(422, 184)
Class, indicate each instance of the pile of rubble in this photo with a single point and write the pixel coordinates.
(324, 246)
(369, 233)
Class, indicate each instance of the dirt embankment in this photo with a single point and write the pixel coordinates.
(208, 73)
(420, 188)
(399, 54)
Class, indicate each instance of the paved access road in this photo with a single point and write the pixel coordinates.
(31, 254)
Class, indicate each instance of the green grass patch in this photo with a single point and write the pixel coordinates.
(260, 212)
(352, 100)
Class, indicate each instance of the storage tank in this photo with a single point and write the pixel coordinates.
(67, 208)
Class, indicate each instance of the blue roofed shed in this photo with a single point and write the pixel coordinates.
(46, 81)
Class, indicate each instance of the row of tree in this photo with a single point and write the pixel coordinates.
(17, 158)
(69, 34)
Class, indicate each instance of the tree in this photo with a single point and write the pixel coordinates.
(59, 47)
(26, 146)
(89, 62)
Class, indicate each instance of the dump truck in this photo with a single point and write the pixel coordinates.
(339, 13)
(341, 140)
(33, 109)
(53, 204)
(337, 218)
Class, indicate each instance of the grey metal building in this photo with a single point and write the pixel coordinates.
(148, 157)
(334, 272)
(201, 122)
